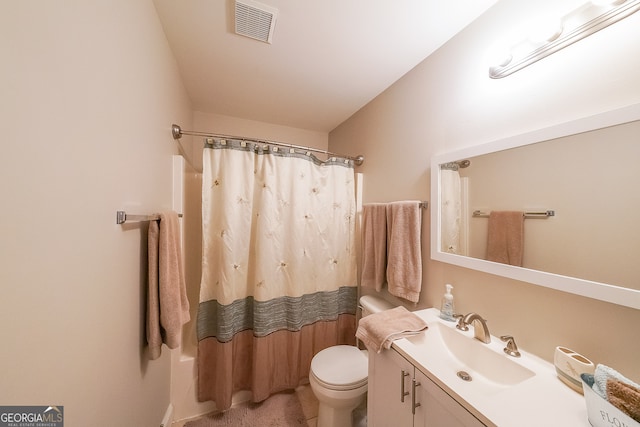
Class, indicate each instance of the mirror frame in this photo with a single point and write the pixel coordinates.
(601, 291)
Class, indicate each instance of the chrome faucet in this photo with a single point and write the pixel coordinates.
(480, 330)
(511, 349)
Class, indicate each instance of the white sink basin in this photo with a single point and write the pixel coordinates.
(502, 388)
(467, 354)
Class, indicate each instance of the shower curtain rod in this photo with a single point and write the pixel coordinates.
(177, 133)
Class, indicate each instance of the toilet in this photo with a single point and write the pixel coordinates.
(338, 375)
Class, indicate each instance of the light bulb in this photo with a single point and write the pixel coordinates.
(498, 56)
(607, 2)
(546, 31)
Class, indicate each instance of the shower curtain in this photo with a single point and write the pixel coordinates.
(450, 208)
(278, 269)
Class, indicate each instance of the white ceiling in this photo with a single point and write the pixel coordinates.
(327, 60)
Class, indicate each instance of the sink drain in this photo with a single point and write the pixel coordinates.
(464, 376)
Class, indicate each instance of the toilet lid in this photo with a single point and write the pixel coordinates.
(340, 367)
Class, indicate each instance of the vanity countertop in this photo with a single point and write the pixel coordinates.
(539, 400)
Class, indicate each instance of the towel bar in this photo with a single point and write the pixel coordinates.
(542, 214)
(122, 217)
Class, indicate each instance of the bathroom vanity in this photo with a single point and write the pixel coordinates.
(402, 395)
(445, 377)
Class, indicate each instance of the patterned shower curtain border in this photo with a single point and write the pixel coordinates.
(265, 317)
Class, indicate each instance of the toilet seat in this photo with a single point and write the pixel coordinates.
(341, 367)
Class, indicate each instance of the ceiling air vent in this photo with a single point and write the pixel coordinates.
(255, 20)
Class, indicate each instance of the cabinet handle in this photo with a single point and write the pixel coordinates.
(414, 404)
(402, 392)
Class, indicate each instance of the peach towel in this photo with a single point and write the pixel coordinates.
(505, 238)
(374, 245)
(167, 303)
(378, 330)
(404, 253)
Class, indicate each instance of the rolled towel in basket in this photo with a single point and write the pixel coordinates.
(625, 397)
(603, 374)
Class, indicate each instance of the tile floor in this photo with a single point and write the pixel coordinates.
(307, 400)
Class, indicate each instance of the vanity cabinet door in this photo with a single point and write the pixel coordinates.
(437, 408)
(399, 395)
(389, 393)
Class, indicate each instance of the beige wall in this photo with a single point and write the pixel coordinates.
(448, 102)
(89, 91)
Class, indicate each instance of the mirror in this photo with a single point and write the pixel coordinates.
(575, 183)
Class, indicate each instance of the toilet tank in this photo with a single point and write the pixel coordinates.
(371, 304)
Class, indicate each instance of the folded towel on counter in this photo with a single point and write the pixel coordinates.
(374, 245)
(378, 330)
(625, 397)
(404, 254)
(505, 237)
(167, 303)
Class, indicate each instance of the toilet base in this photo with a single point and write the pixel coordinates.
(329, 416)
(335, 407)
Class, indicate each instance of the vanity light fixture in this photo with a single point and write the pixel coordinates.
(576, 25)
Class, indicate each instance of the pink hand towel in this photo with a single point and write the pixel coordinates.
(404, 253)
(505, 238)
(374, 245)
(379, 330)
(167, 303)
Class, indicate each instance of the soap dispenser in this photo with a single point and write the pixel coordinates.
(447, 309)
